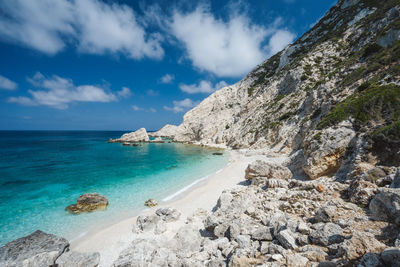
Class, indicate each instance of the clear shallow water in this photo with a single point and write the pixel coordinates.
(42, 172)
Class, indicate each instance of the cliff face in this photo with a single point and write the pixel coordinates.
(338, 85)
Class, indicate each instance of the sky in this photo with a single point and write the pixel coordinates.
(122, 65)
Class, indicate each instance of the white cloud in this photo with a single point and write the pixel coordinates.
(7, 84)
(180, 106)
(226, 48)
(58, 92)
(137, 108)
(125, 92)
(94, 26)
(152, 92)
(279, 40)
(167, 78)
(202, 87)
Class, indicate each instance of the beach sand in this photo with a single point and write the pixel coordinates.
(109, 241)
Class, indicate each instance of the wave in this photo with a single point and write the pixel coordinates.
(186, 188)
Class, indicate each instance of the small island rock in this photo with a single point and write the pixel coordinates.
(151, 203)
(88, 203)
(137, 136)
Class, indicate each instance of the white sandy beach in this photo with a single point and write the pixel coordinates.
(111, 240)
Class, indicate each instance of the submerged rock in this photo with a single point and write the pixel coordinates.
(37, 249)
(88, 203)
(151, 203)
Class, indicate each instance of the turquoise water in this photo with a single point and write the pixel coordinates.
(42, 172)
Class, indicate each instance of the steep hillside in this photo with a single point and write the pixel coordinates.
(336, 90)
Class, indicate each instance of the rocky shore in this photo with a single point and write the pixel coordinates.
(271, 218)
(276, 220)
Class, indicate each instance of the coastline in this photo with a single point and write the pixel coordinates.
(110, 240)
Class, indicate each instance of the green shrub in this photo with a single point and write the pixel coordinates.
(374, 103)
(371, 49)
(250, 91)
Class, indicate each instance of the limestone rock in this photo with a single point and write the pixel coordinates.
(139, 253)
(77, 259)
(385, 206)
(147, 222)
(259, 171)
(286, 238)
(88, 203)
(168, 131)
(276, 183)
(188, 240)
(262, 233)
(391, 256)
(325, 214)
(370, 260)
(224, 201)
(37, 249)
(396, 180)
(157, 140)
(360, 192)
(325, 148)
(168, 214)
(327, 234)
(151, 203)
(296, 260)
(137, 136)
(359, 244)
(303, 228)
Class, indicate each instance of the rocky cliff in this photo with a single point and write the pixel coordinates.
(333, 94)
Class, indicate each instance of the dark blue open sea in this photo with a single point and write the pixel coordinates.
(42, 172)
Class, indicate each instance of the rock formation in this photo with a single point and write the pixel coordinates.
(166, 131)
(137, 136)
(331, 97)
(289, 225)
(41, 250)
(88, 203)
(151, 203)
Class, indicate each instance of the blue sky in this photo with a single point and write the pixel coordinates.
(121, 65)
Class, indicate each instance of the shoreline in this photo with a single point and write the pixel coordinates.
(111, 239)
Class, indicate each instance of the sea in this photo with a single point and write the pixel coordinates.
(42, 172)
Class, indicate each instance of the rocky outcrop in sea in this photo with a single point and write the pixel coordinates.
(136, 136)
(87, 203)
